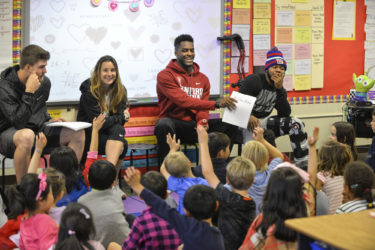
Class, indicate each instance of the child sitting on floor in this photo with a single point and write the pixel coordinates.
(65, 160)
(33, 197)
(77, 229)
(332, 158)
(176, 169)
(195, 229)
(236, 208)
(258, 152)
(106, 204)
(344, 132)
(218, 145)
(55, 177)
(288, 195)
(57, 180)
(149, 231)
(359, 180)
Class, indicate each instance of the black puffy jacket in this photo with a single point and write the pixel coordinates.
(18, 108)
(89, 108)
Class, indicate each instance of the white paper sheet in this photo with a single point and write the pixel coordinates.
(261, 42)
(344, 20)
(72, 125)
(302, 67)
(240, 116)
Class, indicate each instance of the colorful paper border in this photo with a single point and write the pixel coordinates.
(226, 61)
(17, 27)
(318, 99)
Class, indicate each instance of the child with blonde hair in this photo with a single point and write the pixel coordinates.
(288, 195)
(258, 152)
(332, 158)
(359, 180)
(236, 207)
(176, 169)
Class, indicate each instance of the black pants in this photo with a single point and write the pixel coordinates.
(115, 132)
(186, 132)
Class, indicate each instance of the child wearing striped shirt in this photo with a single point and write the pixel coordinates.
(359, 179)
(332, 158)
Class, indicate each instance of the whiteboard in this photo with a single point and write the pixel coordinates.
(77, 34)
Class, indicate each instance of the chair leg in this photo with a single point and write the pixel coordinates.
(196, 154)
(3, 172)
(147, 161)
(239, 149)
(5, 200)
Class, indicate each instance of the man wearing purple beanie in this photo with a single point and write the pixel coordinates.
(268, 88)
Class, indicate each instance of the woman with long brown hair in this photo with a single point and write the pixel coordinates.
(104, 93)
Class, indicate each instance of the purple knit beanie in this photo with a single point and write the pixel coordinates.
(274, 57)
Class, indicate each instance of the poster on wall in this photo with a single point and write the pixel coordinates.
(299, 34)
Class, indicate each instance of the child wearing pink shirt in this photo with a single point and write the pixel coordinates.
(33, 197)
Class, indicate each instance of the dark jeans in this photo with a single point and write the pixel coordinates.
(186, 132)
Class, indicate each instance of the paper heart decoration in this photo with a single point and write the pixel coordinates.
(134, 6)
(149, 3)
(95, 2)
(113, 5)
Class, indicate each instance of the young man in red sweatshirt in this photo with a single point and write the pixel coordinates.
(183, 98)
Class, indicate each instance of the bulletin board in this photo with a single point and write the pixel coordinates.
(341, 58)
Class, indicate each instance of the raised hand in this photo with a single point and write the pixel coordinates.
(253, 123)
(202, 135)
(133, 178)
(40, 142)
(98, 122)
(312, 140)
(258, 134)
(174, 145)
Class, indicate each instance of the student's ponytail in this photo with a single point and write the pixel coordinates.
(76, 228)
(70, 242)
(17, 202)
(367, 194)
(24, 196)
